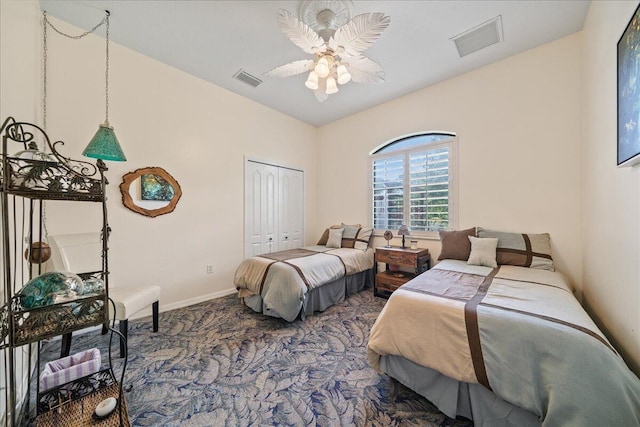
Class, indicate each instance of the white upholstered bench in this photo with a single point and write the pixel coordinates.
(82, 253)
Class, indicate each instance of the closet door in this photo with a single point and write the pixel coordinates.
(261, 208)
(273, 208)
(291, 203)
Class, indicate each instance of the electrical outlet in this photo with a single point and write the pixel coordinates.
(209, 269)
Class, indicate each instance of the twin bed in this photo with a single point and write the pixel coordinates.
(505, 343)
(296, 283)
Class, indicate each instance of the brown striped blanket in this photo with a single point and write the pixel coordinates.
(520, 332)
(283, 278)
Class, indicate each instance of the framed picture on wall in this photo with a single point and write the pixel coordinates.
(155, 187)
(629, 93)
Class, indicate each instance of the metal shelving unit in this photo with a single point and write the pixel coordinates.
(28, 179)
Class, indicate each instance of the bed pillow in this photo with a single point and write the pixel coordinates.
(483, 251)
(335, 237)
(456, 244)
(523, 250)
(349, 235)
(363, 238)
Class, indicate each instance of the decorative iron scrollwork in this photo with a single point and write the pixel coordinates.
(45, 322)
(74, 390)
(56, 177)
(4, 324)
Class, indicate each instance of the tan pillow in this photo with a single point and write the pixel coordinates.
(335, 237)
(483, 251)
(456, 244)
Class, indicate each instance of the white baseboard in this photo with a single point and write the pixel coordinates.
(184, 303)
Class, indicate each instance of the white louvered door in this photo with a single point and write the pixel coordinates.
(274, 208)
(291, 190)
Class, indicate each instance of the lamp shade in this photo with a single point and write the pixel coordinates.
(104, 145)
(322, 67)
(403, 230)
(343, 74)
(312, 81)
(331, 86)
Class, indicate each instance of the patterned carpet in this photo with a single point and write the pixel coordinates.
(218, 363)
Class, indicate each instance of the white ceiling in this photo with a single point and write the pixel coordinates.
(214, 39)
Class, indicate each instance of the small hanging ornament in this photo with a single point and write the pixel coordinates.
(38, 253)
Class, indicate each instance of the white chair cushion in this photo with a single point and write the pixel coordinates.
(77, 253)
(82, 253)
(131, 299)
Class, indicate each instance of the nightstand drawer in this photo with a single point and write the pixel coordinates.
(396, 258)
(389, 281)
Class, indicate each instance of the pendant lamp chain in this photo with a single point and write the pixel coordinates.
(44, 72)
(106, 72)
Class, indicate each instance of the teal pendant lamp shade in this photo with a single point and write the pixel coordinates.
(104, 145)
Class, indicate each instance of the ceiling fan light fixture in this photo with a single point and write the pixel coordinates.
(343, 74)
(322, 67)
(312, 81)
(331, 41)
(331, 86)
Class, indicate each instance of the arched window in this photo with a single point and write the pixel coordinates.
(413, 183)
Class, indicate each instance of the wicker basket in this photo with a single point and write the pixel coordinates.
(79, 413)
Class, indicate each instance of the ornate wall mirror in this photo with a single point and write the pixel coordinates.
(150, 191)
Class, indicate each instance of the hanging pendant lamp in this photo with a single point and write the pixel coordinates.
(104, 144)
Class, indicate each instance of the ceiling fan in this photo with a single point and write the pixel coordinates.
(335, 41)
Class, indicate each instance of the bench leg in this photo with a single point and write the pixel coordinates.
(124, 326)
(65, 348)
(154, 308)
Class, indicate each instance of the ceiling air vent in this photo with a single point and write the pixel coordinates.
(479, 37)
(247, 78)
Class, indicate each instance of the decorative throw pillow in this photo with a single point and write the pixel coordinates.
(325, 235)
(523, 250)
(483, 251)
(349, 235)
(456, 244)
(335, 237)
(363, 238)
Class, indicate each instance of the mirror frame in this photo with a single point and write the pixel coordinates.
(130, 177)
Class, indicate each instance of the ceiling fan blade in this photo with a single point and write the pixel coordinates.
(357, 35)
(291, 69)
(364, 70)
(300, 33)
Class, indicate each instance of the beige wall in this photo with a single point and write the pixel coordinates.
(518, 123)
(610, 196)
(164, 117)
(530, 129)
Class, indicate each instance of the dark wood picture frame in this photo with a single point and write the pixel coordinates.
(628, 91)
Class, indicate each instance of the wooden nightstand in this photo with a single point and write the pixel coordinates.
(388, 281)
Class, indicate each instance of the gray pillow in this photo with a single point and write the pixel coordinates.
(363, 238)
(349, 235)
(523, 250)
